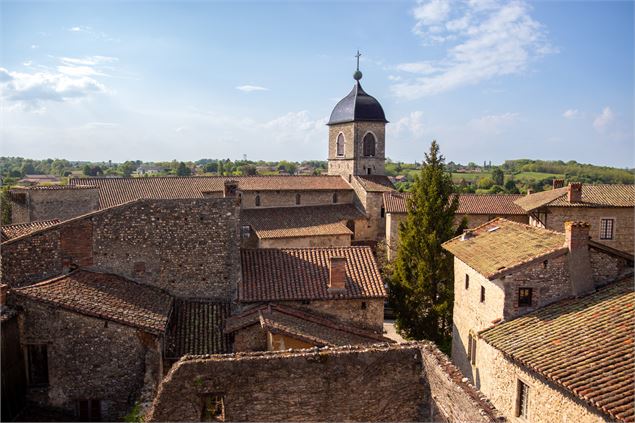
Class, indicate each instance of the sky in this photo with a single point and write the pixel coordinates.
(155, 81)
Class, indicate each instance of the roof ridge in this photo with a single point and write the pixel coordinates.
(47, 281)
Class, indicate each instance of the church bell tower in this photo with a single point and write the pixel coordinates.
(357, 134)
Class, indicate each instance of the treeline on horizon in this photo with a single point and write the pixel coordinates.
(523, 173)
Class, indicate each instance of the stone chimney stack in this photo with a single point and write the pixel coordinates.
(580, 272)
(337, 274)
(575, 192)
(4, 288)
(558, 183)
(231, 188)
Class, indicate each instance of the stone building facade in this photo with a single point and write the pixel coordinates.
(607, 208)
(52, 202)
(188, 247)
(409, 382)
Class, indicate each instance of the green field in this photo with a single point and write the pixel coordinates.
(520, 177)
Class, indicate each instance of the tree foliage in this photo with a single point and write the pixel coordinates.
(421, 286)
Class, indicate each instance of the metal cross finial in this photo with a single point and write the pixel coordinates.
(357, 55)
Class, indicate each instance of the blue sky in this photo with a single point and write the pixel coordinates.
(490, 80)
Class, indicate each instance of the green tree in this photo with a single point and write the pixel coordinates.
(421, 286)
(498, 176)
(127, 168)
(5, 206)
(183, 170)
(248, 170)
(485, 182)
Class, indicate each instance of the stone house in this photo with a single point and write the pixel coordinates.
(607, 208)
(8, 232)
(570, 361)
(308, 297)
(55, 202)
(385, 382)
(92, 342)
(475, 208)
(505, 269)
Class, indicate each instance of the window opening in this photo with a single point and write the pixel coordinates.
(524, 297)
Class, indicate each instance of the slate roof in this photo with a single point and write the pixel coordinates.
(303, 273)
(357, 106)
(114, 191)
(488, 204)
(583, 345)
(305, 326)
(196, 327)
(500, 246)
(375, 183)
(603, 195)
(8, 232)
(287, 222)
(105, 296)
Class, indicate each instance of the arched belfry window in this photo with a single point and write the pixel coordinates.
(340, 144)
(369, 145)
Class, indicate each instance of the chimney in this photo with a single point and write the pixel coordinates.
(575, 192)
(558, 183)
(4, 288)
(580, 272)
(231, 188)
(337, 274)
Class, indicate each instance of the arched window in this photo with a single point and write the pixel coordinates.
(334, 197)
(369, 145)
(297, 198)
(257, 200)
(340, 144)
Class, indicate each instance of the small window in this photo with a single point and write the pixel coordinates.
(306, 302)
(334, 197)
(257, 201)
(364, 305)
(524, 297)
(522, 400)
(482, 294)
(245, 231)
(467, 281)
(469, 347)
(89, 410)
(368, 171)
(606, 228)
(38, 365)
(213, 408)
(298, 199)
(545, 264)
(382, 212)
(340, 144)
(472, 350)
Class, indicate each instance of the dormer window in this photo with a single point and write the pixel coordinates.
(369, 142)
(340, 145)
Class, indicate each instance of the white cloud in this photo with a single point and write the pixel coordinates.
(571, 113)
(251, 88)
(31, 90)
(88, 60)
(79, 29)
(604, 119)
(34, 46)
(295, 127)
(409, 126)
(487, 40)
(493, 124)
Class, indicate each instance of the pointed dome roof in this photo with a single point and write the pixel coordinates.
(357, 106)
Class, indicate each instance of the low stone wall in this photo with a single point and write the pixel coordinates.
(407, 382)
(306, 241)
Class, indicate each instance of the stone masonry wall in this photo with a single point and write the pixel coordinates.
(251, 338)
(288, 198)
(63, 204)
(497, 377)
(474, 220)
(349, 311)
(307, 241)
(353, 162)
(623, 230)
(88, 358)
(379, 383)
(605, 267)
(188, 247)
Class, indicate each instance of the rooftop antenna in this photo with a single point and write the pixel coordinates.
(358, 74)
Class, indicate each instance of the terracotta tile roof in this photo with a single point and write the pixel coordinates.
(19, 229)
(605, 195)
(308, 327)
(500, 246)
(113, 191)
(303, 274)
(489, 204)
(286, 222)
(53, 187)
(196, 327)
(375, 183)
(105, 296)
(583, 345)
